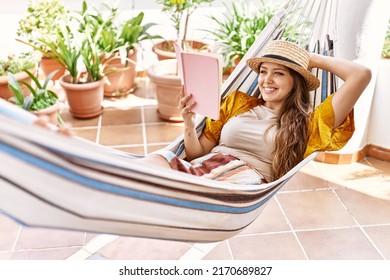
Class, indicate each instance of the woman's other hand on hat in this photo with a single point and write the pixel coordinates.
(312, 61)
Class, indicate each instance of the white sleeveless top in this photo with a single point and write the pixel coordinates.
(243, 137)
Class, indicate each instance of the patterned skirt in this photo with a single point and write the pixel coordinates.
(216, 166)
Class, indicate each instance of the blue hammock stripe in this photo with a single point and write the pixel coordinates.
(110, 188)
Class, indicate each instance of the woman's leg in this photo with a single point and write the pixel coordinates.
(155, 160)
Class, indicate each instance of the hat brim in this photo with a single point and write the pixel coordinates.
(312, 81)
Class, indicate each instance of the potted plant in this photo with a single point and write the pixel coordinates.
(42, 101)
(16, 64)
(236, 30)
(165, 82)
(166, 86)
(78, 52)
(179, 12)
(117, 43)
(43, 20)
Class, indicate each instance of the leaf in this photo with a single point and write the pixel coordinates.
(48, 78)
(14, 86)
(30, 88)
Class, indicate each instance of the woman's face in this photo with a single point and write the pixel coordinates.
(275, 83)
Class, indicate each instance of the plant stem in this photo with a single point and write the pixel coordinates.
(185, 29)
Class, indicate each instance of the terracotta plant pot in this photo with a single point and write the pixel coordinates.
(167, 87)
(48, 65)
(6, 93)
(51, 113)
(120, 82)
(84, 99)
(165, 49)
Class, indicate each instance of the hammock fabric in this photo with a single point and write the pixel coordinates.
(48, 180)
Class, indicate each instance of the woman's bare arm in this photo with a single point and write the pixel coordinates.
(195, 146)
(355, 76)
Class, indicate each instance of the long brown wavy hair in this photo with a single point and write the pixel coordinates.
(291, 128)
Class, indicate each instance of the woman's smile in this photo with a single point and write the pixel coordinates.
(275, 83)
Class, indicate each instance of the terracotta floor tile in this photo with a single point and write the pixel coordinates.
(280, 246)
(49, 254)
(68, 118)
(150, 115)
(368, 210)
(270, 220)
(128, 248)
(152, 148)
(338, 244)
(5, 255)
(364, 176)
(138, 150)
(314, 209)
(348, 175)
(384, 166)
(380, 235)
(118, 116)
(220, 252)
(307, 178)
(86, 133)
(165, 132)
(9, 231)
(129, 102)
(121, 135)
(36, 238)
(89, 237)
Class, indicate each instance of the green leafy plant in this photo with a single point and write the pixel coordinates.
(86, 36)
(41, 97)
(116, 35)
(179, 11)
(66, 49)
(238, 29)
(72, 46)
(18, 62)
(43, 20)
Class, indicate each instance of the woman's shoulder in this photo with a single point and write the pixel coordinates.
(240, 99)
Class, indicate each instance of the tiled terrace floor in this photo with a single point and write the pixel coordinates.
(325, 211)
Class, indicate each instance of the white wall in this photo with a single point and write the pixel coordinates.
(361, 27)
(378, 130)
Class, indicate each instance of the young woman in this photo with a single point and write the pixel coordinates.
(260, 139)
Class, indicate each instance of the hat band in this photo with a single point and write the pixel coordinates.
(281, 58)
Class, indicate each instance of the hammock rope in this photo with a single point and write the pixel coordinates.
(47, 180)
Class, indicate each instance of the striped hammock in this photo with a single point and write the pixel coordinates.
(48, 180)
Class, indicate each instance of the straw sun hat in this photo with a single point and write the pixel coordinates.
(289, 55)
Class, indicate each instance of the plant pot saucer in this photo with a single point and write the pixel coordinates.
(87, 116)
(169, 118)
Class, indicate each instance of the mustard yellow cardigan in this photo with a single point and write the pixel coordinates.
(322, 135)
